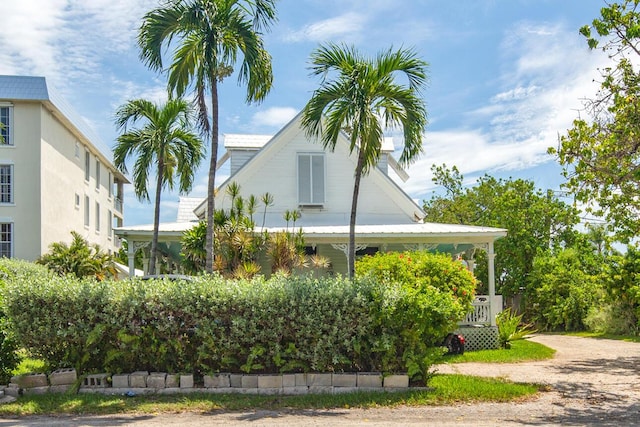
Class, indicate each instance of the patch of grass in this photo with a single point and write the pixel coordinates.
(443, 390)
(588, 334)
(520, 351)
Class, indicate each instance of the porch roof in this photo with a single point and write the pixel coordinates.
(402, 233)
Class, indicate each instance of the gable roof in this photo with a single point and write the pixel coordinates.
(383, 181)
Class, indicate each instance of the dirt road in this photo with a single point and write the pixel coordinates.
(593, 382)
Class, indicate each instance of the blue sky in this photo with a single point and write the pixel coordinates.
(506, 76)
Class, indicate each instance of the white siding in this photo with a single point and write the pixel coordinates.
(275, 171)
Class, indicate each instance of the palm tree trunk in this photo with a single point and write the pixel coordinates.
(211, 187)
(156, 220)
(352, 219)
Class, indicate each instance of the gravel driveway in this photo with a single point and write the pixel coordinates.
(592, 382)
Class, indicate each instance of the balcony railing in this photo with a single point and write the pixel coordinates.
(117, 204)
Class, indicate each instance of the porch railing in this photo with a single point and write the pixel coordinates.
(481, 314)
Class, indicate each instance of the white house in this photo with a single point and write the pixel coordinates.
(302, 176)
(53, 178)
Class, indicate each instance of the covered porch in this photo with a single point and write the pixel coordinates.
(332, 243)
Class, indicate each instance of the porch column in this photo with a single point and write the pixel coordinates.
(131, 256)
(492, 282)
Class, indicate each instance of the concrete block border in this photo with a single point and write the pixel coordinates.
(142, 382)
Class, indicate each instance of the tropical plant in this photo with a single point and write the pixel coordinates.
(236, 241)
(511, 328)
(359, 95)
(208, 36)
(78, 258)
(164, 140)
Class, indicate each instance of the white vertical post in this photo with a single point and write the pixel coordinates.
(492, 283)
(131, 256)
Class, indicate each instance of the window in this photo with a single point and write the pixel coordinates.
(6, 118)
(77, 204)
(311, 179)
(86, 211)
(97, 217)
(87, 165)
(6, 239)
(97, 174)
(77, 150)
(109, 224)
(110, 185)
(6, 183)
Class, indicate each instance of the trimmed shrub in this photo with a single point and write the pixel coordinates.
(209, 324)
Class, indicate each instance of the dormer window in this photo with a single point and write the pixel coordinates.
(311, 179)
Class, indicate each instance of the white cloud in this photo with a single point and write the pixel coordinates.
(340, 26)
(66, 40)
(537, 99)
(275, 116)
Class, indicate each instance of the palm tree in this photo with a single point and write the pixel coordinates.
(165, 140)
(358, 95)
(209, 34)
(78, 258)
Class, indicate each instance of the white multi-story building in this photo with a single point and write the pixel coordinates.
(53, 177)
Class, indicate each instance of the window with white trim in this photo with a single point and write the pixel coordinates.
(311, 176)
(6, 239)
(86, 211)
(97, 217)
(6, 184)
(6, 118)
(77, 150)
(77, 201)
(97, 174)
(110, 185)
(87, 165)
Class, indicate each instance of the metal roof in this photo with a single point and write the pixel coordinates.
(240, 141)
(405, 233)
(34, 88)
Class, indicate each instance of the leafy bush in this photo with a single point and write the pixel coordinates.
(284, 324)
(562, 289)
(622, 282)
(425, 296)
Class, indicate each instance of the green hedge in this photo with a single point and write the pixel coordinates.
(284, 324)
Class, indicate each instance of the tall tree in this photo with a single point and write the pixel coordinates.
(165, 141)
(535, 220)
(360, 96)
(601, 152)
(208, 35)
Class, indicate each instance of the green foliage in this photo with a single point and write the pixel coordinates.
(622, 282)
(205, 39)
(562, 288)
(164, 141)
(510, 328)
(209, 324)
(599, 153)
(355, 92)
(429, 293)
(79, 258)
(535, 220)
